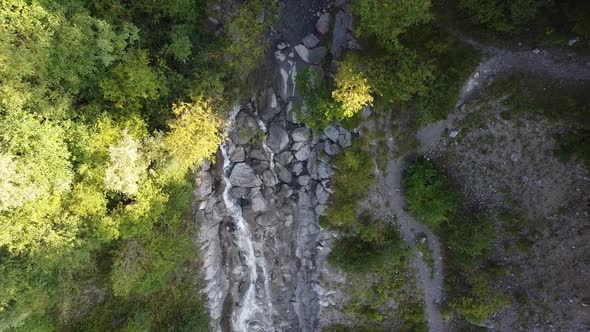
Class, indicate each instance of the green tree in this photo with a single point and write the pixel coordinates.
(428, 194)
(352, 89)
(196, 133)
(133, 81)
(386, 20)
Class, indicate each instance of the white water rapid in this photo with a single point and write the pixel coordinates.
(251, 313)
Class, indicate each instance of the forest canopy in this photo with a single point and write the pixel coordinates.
(106, 108)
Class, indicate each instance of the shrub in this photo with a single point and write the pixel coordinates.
(503, 15)
(387, 19)
(352, 89)
(319, 109)
(351, 183)
(428, 194)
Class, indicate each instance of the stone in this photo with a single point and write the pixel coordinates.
(345, 138)
(323, 23)
(257, 154)
(245, 128)
(284, 158)
(514, 156)
(239, 192)
(282, 45)
(536, 51)
(331, 149)
(321, 194)
(342, 25)
(313, 56)
(278, 138)
(205, 187)
(286, 191)
(304, 152)
(267, 219)
(320, 209)
(296, 146)
(310, 41)
(303, 180)
(297, 168)
(268, 178)
(243, 175)
(258, 203)
(453, 134)
(324, 170)
(283, 173)
(301, 134)
(332, 133)
(237, 154)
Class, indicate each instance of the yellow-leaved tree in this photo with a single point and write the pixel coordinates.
(352, 88)
(195, 133)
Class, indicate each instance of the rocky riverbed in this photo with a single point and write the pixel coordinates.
(258, 210)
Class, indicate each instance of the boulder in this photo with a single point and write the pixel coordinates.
(257, 154)
(345, 138)
(303, 180)
(310, 41)
(342, 25)
(268, 178)
(320, 209)
(297, 168)
(301, 134)
(324, 170)
(321, 194)
(278, 138)
(259, 204)
(239, 192)
(205, 188)
(245, 128)
(243, 175)
(331, 149)
(268, 219)
(332, 133)
(237, 154)
(283, 173)
(304, 152)
(284, 158)
(323, 23)
(313, 56)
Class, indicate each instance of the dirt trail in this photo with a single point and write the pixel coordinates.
(552, 63)
(390, 198)
(431, 281)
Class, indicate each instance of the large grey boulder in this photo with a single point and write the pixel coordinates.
(243, 175)
(205, 187)
(345, 138)
(304, 152)
(303, 180)
(278, 138)
(237, 154)
(332, 133)
(310, 41)
(268, 178)
(301, 134)
(245, 128)
(342, 25)
(284, 158)
(297, 168)
(331, 149)
(258, 203)
(322, 194)
(283, 173)
(313, 56)
(323, 23)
